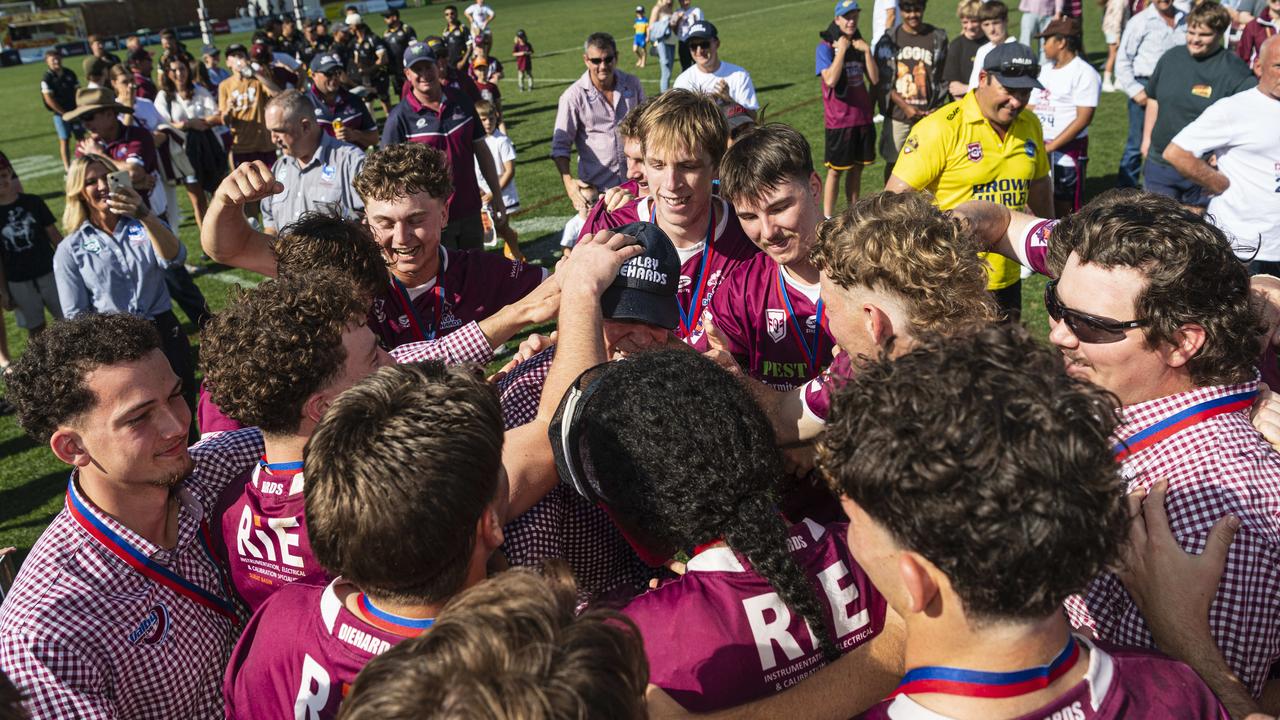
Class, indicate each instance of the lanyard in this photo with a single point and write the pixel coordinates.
(819, 314)
(977, 683)
(1173, 424)
(390, 622)
(402, 297)
(150, 569)
(697, 300)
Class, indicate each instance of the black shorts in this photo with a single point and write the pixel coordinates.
(850, 146)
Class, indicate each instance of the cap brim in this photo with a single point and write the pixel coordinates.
(620, 303)
(1020, 82)
(83, 110)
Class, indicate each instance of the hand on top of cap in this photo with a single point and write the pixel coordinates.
(595, 262)
(250, 182)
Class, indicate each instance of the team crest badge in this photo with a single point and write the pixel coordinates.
(154, 627)
(422, 122)
(92, 245)
(975, 151)
(775, 323)
(327, 173)
(910, 145)
(1031, 148)
(403, 321)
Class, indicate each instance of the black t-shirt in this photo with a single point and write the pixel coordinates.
(366, 53)
(25, 251)
(63, 87)
(455, 41)
(960, 57)
(307, 51)
(912, 68)
(398, 41)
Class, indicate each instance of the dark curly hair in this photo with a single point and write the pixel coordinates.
(1193, 276)
(275, 345)
(399, 471)
(978, 452)
(47, 384)
(680, 487)
(319, 241)
(510, 647)
(397, 171)
(765, 159)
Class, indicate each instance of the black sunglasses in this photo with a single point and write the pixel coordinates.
(699, 46)
(607, 60)
(1018, 70)
(1087, 328)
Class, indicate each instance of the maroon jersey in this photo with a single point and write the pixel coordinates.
(817, 392)
(264, 532)
(470, 286)
(299, 654)
(1120, 683)
(720, 636)
(730, 248)
(775, 325)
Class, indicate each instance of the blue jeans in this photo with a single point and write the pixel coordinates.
(1131, 160)
(666, 58)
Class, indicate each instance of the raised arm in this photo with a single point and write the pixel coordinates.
(225, 235)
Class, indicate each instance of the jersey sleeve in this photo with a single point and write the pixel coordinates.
(41, 212)
(506, 150)
(823, 56)
(724, 312)
(746, 95)
(1033, 250)
(1213, 130)
(924, 154)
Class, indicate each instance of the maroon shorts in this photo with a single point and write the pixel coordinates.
(239, 158)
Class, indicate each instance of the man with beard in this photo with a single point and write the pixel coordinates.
(123, 581)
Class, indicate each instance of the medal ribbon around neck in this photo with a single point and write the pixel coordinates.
(819, 314)
(1178, 422)
(694, 311)
(403, 299)
(978, 683)
(284, 468)
(136, 558)
(390, 622)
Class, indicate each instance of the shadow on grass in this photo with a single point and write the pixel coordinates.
(15, 445)
(32, 495)
(775, 86)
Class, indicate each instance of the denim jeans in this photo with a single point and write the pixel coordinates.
(1131, 160)
(1033, 25)
(666, 58)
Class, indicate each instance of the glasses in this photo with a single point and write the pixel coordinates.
(1087, 328)
(696, 46)
(1016, 70)
(607, 60)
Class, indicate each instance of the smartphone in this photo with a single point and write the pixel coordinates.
(119, 179)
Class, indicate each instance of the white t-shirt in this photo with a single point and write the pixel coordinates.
(479, 14)
(881, 8)
(1241, 131)
(741, 89)
(979, 57)
(201, 105)
(692, 17)
(502, 150)
(1074, 85)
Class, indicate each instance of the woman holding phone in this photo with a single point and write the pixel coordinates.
(115, 254)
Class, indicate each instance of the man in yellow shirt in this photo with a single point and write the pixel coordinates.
(983, 147)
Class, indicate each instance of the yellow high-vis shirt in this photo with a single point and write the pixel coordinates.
(956, 155)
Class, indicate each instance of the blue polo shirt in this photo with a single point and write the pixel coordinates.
(345, 107)
(453, 130)
(117, 272)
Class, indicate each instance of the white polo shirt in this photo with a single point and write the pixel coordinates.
(1249, 155)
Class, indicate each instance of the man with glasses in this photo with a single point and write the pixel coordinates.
(984, 147)
(1149, 301)
(725, 82)
(587, 118)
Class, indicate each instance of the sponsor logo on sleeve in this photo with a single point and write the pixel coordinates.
(910, 145)
(1031, 148)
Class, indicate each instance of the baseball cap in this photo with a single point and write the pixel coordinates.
(390, 12)
(325, 63)
(844, 7)
(639, 8)
(354, 19)
(234, 48)
(209, 50)
(703, 29)
(645, 288)
(417, 52)
(1014, 65)
(1061, 26)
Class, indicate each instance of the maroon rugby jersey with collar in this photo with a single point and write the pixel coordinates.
(473, 284)
(771, 322)
(720, 635)
(730, 249)
(1120, 683)
(299, 654)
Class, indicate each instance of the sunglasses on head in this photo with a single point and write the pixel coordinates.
(1017, 70)
(607, 60)
(1087, 328)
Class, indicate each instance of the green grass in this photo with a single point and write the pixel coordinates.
(773, 40)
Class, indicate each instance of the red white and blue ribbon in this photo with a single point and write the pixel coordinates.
(978, 683)
(390, 622)
(284, 468)
(819, 315)
(693, 313)
(1178, 422)
(136, 558)
(403, 298)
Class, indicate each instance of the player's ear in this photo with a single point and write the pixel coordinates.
(917, 581)
(878, 323)
(68, 446)
(1187, 342)
(489, 528)
(815, 186)
(315, 406)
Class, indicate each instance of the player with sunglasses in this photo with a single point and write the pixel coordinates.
(1150, 302)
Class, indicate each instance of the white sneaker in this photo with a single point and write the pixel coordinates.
(1107, 84)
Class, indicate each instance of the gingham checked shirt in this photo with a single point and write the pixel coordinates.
(563, 524)
(1220, 465)
(84, 635)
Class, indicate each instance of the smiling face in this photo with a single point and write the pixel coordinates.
(999, 104)
(424, 77)
(328, 83)
(912, 17)
(848, 23)
(136, 432)
(179, 72)
(783, 221)
(408, 231)
(600, 63)
(95, 190)
(680, 184)
(971, 27)
(1201, 40)
(623, 337)
(54, 62)
(706, 53)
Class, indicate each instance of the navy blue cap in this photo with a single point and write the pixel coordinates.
(702, 29)
(645, 288)
(1014, 65)
(326, 63)
(418, 52)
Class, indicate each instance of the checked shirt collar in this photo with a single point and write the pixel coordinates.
(1142, 416)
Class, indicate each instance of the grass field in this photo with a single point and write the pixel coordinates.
(773, 40)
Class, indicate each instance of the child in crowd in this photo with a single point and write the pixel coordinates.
(573, 228)
(641, 27)
(523, 53)
(28, 234)
(994, 17)
(504, 158)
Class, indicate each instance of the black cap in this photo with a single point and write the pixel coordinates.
(645, 288)
(1014, 65)
(234, 48)
(702, 29)
(390, 12)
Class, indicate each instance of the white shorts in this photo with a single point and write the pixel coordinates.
(31, 297)
(1113, 21)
